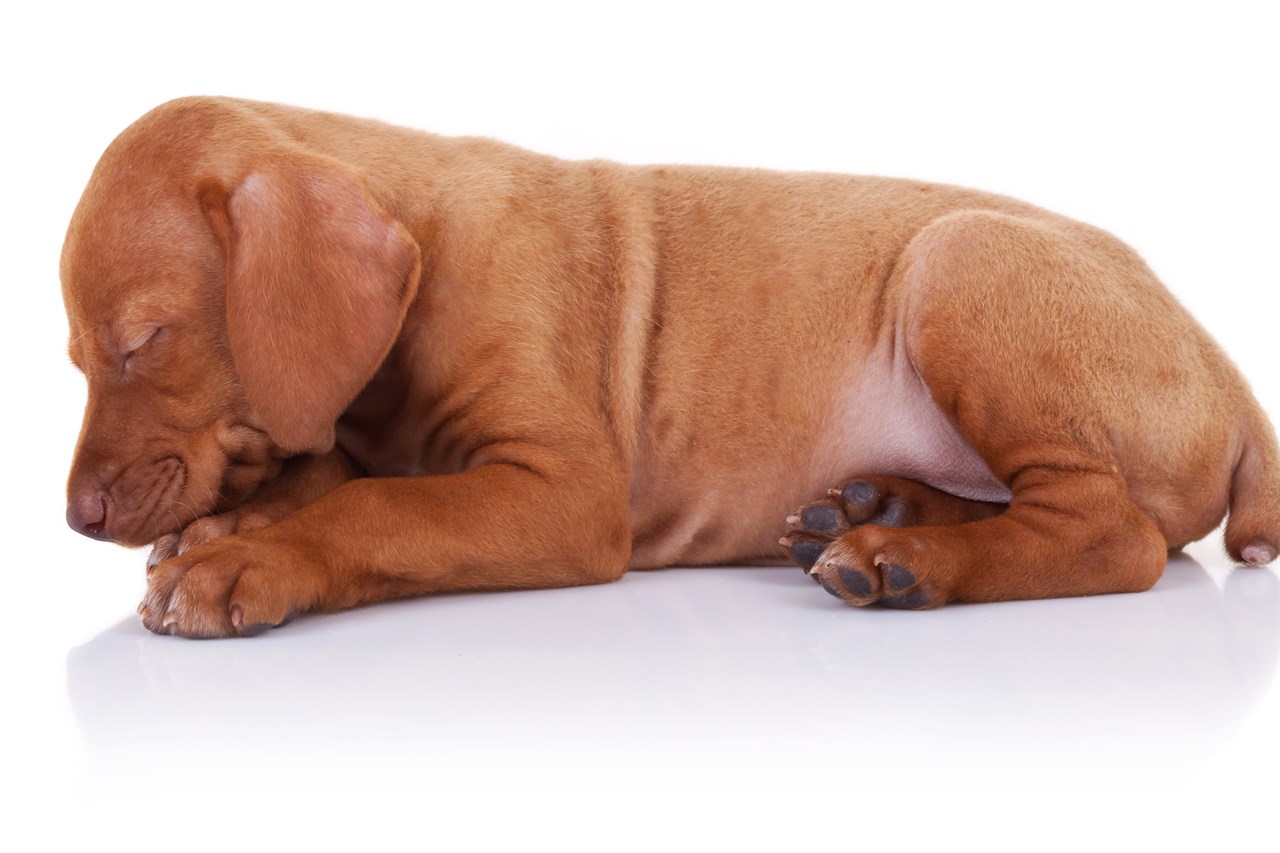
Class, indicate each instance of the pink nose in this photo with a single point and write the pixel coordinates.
(87, 514)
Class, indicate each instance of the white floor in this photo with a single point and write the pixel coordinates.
(733, 709)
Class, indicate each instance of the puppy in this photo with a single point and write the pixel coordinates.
(332, 362)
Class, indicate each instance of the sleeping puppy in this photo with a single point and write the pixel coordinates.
(332, 361)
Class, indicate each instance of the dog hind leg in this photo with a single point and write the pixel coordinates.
(1089, 393)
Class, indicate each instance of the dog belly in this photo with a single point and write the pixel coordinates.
(892, 427)
(705, 506)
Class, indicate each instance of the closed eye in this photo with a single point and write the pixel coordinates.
(141, 344)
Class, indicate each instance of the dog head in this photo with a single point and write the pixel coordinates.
(229, 292)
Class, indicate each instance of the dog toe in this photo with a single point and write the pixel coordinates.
(846, 569)
(803, 550)
(897, 577)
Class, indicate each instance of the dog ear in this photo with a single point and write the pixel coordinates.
(318, 280)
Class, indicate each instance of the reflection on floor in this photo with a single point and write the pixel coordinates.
(741, 670)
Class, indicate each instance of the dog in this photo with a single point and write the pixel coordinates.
(332, 361)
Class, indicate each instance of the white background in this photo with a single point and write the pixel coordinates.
(739, 709)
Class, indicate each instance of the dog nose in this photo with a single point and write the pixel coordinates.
(87, 514)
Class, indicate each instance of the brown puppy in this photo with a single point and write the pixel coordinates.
(332, 361)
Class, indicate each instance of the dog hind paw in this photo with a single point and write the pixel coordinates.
(855, 541)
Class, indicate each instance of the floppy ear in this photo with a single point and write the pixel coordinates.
(318, 282)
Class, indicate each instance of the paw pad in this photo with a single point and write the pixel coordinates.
(897, 577)
(859, 492)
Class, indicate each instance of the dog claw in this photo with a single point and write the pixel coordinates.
(793, 519)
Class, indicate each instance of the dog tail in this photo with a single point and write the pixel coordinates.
(1253, 527)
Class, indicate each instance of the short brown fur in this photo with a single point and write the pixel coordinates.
(332, 361)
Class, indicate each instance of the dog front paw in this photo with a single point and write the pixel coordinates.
(237, 586)
(207, 529)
